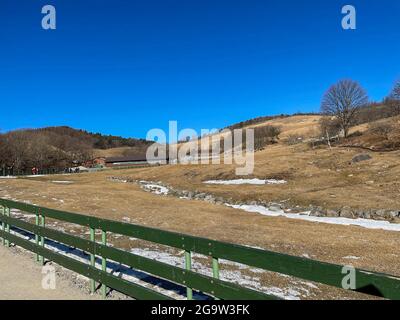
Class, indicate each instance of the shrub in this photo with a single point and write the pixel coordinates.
(294, 139)
(381, 129)
(330, 126)
(266, 135)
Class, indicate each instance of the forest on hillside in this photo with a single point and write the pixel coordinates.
(56, 147)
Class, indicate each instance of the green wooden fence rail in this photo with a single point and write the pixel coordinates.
(372, 283)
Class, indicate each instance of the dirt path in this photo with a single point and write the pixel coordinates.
(21, 278)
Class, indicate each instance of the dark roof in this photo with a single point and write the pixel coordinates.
(128, 158)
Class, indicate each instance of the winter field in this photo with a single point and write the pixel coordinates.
(234, 209)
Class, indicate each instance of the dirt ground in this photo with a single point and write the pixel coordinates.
(21, 279)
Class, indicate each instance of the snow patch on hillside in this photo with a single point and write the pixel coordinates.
(154, 188)
(62, 182)
(245, 181)
(365, 223)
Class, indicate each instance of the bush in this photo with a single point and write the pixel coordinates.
(382, 129)
(265, 135)
(294, 139)
(330, 126)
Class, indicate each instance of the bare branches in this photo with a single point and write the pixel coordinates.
(396, 91)
(394, 98)
(343, 100)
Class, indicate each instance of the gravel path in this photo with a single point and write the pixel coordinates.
(21, 279)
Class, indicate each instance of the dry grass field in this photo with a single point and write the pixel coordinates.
(314, 176)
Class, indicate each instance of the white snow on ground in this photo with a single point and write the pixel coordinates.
(18, 214)
(58, 200)
(33, 176)
(246, 181)
(63, 182)
(155, 188)
(365, 223)
(8, 177)
(235, 276)
(352, 257)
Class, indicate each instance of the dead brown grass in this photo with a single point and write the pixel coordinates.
(320, 177)
(94, 194)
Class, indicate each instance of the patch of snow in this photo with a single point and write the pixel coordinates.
(352, 257)
(155, 188)
(310, 284)
(245, 181)
(62, 182)
(17, 213)
(8, 177)
(33, 176)
(365, 223)
(235, 276)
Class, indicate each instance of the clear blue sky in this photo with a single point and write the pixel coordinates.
(124, 67)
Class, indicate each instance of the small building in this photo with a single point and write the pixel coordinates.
(100, 161)
(96, 162)
(134, 160)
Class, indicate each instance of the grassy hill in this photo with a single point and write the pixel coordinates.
(316, 175)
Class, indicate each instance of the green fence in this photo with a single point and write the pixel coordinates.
(27, 172)
(372, 283)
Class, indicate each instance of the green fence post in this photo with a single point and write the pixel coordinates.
(215, 269)
(103, 263)
(7, 226)
(188, 266)
(92, 261)
(43, 223)
(36, 235)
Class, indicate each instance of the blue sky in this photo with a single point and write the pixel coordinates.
(125, 67)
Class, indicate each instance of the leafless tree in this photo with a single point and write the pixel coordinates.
(394, 98)
(15, 149)
(343, 100)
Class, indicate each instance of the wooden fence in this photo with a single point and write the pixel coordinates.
(372, 283)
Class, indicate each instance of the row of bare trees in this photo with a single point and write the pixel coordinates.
(345, 99)
(26, 149)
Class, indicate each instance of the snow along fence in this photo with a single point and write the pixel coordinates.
(372, 283)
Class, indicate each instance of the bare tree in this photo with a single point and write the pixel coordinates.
(394, 98)
(343, 100)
